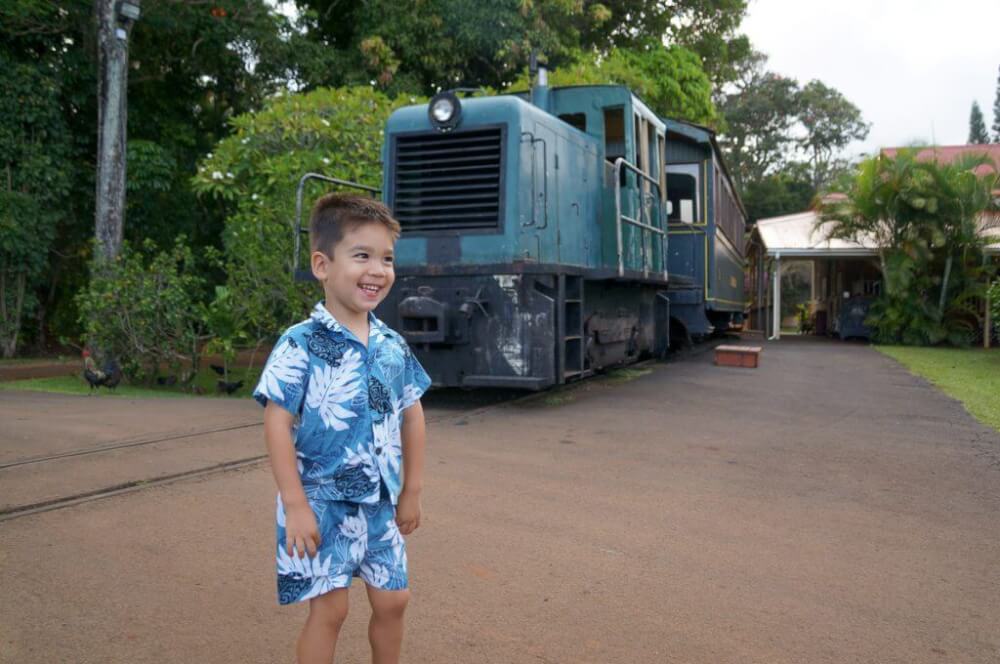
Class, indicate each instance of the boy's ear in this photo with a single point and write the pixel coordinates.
(319, 262)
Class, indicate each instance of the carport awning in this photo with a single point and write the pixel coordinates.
(800, 235)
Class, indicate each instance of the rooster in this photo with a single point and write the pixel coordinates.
(228, 388)
(110, 376)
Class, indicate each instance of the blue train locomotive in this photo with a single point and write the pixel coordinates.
(553, 233)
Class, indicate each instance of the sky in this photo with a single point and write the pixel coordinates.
(913, 67)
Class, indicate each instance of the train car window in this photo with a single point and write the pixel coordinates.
(662, 156)
(637, 123)
(578, 120)
(614, 133)
(654, 155)
(682, 192)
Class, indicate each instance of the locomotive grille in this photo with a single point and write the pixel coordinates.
(449, 181)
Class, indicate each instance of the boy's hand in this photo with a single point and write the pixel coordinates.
(301, 532)
(408, 512)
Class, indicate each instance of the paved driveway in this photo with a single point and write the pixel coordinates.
(827, 507)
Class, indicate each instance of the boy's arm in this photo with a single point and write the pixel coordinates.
(414, 435)
(301, 531)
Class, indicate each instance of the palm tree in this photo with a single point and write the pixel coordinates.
(923, 217)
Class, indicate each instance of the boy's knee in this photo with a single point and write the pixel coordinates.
(391, 604)
(330, 614)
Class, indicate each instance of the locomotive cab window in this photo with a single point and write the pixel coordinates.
(578, 120)
(614, 133)
(614, 137)
(682, 192)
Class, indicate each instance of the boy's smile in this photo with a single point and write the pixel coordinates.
(359, 274)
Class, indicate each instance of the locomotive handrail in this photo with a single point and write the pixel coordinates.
(619, 218)
(298, 209)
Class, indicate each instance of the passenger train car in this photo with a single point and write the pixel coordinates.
(549, 234)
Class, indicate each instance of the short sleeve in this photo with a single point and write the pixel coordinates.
(285, 375)
(415, 380)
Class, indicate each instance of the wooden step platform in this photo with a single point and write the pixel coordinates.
(737, 356)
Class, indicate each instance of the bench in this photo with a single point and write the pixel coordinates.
(737, 356)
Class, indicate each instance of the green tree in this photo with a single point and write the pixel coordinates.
(759, 115)
(194, 65)
(787, 191)
(34, 146)
(256, 169)
(669, 79)
(977, 126)
(831, 123)
(924, 219)
(421, 45)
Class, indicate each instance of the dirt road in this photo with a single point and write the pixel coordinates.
(828, 507)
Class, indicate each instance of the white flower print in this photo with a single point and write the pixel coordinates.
(392, 535)
(387, 438)
(306, 568)
(286, 365)
(332, 386)
(375, 574)
(311, 568)
(360, 457)
(411, 394)
(355, 528)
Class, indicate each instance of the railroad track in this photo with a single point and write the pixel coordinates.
(15, 511)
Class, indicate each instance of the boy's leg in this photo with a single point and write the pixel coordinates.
(385, 631)
(318, 640)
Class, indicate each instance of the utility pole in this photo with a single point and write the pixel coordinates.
(114, 23)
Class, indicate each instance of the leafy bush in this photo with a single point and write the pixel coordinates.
(143, 309)
(923, 217)
(336, 132)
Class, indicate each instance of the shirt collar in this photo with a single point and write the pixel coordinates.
(376, 328)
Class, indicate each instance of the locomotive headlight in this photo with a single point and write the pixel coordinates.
(444, 111)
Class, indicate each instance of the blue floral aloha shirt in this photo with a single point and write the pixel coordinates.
(348, 401)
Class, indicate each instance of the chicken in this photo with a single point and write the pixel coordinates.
(94, 376)
(229, 388)
(110, 376)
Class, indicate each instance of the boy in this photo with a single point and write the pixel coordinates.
(343, 421)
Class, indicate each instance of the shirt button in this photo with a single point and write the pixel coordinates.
(378, 450)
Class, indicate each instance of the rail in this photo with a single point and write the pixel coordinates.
(298, 213)
(644, 227)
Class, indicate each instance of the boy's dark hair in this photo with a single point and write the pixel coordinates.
(334, 214)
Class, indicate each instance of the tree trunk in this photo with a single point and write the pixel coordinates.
(112, 57)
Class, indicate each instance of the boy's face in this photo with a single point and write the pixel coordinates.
(360, 273)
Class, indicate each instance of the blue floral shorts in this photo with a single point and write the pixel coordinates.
(355, 540)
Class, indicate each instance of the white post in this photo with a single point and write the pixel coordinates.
(777, 298)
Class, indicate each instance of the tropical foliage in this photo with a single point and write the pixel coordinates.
(144, 308)
(923, 216)
(669, 79)
(255, 171)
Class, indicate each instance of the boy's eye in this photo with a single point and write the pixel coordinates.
(361, 255)
(388, 259)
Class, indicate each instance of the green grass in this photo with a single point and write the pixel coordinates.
(205, 381)
(971, 375)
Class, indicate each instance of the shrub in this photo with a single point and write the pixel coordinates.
(143, 309)
(336, 132)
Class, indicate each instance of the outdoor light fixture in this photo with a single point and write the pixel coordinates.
(128, 11)
(444, 111)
